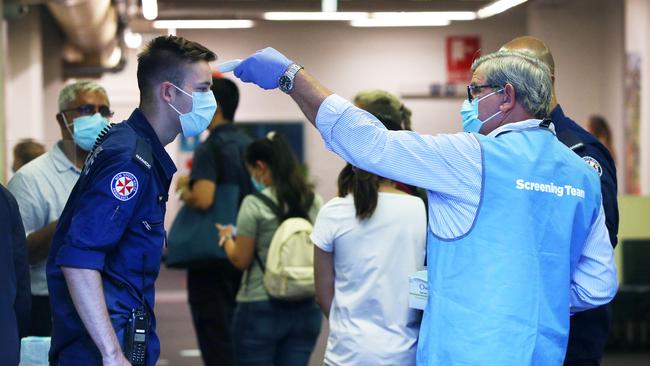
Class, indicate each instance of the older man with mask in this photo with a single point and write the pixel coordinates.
(589, 329)
(516, 226)
(42, 186)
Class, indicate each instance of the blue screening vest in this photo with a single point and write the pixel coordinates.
(499, 295)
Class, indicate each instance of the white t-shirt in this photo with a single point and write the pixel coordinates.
(370, 321)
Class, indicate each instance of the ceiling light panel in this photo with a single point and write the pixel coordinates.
(497, 7)
(320, 16)
(426, 15)
(203, 24)
(399, 23)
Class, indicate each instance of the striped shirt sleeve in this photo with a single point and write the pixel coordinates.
(594, 281)
(448, 164)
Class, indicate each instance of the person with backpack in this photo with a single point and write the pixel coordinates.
(276, 321)
(367, 243)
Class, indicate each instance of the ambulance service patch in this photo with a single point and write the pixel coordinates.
(124, 186)
(594, 164)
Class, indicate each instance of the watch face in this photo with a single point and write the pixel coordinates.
(285, 83)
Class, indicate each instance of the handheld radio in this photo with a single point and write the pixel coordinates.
(137, 331)
(135, 342)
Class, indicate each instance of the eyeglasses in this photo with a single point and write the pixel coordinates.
(473, 90)
(90, 109)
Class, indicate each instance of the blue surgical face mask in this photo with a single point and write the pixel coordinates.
(259, 186)
(203, 108)
(469, 113)
(87, 129)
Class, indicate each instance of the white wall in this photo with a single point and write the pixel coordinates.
(587, 41)
(53, 82)
(23, 83)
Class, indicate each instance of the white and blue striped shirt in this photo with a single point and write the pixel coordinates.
(448, 166)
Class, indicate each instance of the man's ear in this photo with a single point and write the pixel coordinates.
(167, 91)
(60, 119)
(63, 125)
(509, 98)
(63, 122)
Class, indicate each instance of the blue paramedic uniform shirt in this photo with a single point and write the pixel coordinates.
(112, 223)
(589, 330)
(598, 157)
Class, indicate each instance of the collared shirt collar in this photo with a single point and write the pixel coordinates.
(61, 161)
(518, 126)
(142, 126)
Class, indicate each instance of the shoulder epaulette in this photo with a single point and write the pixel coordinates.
(571, 140)
(143, 154)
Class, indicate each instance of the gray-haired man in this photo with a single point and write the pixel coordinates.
(517, 237)
(42, 187)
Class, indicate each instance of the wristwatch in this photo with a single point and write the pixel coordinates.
(286, 80)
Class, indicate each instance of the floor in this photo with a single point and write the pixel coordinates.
(177, 338)
(179, 346)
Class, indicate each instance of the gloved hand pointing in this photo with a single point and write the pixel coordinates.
(263, 68)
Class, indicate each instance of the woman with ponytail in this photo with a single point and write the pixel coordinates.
(367, 243)
(267, 331)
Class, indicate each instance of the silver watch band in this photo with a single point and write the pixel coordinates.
(287, 79)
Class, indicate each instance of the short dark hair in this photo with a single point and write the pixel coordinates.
(227, 95)
(164, 58)
(27, 150)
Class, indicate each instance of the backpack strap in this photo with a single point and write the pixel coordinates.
(259, 262)
(268, 202)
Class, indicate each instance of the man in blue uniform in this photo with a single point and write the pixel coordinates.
(106, 251)
(589, 329)
(516, 225)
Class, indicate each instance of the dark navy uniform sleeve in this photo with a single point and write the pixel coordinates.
(598, 157)
(204, 164)
(23, 285)
(610, 199)
(15, 292)
(105, 207)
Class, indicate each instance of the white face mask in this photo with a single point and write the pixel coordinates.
(196, 121)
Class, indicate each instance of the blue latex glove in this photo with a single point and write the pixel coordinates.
(263, 68)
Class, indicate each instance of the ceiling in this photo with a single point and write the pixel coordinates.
(214, 9)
